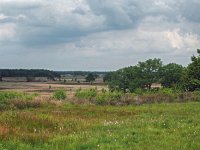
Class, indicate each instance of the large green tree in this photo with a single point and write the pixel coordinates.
(193, 72)
(90, 77)
(171, 75)
(139, 76)
(150, 71)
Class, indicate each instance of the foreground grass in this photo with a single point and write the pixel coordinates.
(148, 127)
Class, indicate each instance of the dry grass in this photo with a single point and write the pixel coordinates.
(45, 89)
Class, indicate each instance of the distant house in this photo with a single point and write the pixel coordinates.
(156, 85)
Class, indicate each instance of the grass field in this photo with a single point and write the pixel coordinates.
(173, 126)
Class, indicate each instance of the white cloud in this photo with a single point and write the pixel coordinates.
(183, 41)
(7, 31)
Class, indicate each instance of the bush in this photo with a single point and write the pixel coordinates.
(108, 97)
(139, 91)
(22, 104)
(86, 94)
(166, 95)
(197, 93)
(6, 97)
(10, 95)
(102, 98)
(60, 95)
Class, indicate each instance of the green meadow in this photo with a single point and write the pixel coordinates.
(164, 126)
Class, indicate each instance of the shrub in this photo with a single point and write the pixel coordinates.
(171, 92)
(22, 104)
(102, 98)
(108, 97)
(59, 95)
(86, 94)
(6, 97)
(139, 91)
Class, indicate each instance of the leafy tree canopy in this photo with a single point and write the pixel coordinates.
(90, 77)
(193, 72)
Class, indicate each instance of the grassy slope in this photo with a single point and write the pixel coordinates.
(148, 127)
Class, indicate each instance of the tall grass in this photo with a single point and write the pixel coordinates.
(7, 97)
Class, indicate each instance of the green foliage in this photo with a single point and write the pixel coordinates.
(169, 92)
(193, 73)
(86, 93)
(108, 97)
(107, 77)
(90, 77)
(10, 95)
(28, 73)
(139, 91)
(133, 77)
(140, 96)
(102, 98)
(7, 96)
(171, 75)
(65, 81)
(60, 95)
(150, 71)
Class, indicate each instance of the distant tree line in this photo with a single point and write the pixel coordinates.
(28, 73)
(81, 73)
(144, 74)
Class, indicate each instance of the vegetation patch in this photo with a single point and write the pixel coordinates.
(60, 94)
(86, 93)
(7, 98)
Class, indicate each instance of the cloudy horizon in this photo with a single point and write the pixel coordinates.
(97, 34)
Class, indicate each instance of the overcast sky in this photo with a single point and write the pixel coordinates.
(96, 34)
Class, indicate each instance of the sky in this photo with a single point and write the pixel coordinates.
(96, 35)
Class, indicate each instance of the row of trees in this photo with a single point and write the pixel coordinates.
(28, 73)
(144, 74)
(81, 73)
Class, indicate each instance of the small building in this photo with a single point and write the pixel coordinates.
(156, 85)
